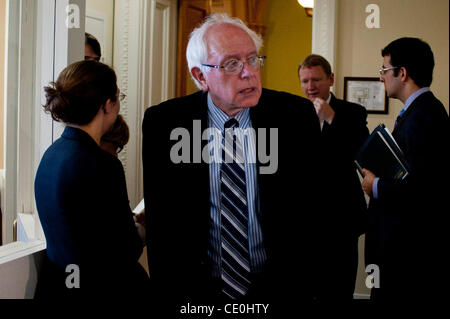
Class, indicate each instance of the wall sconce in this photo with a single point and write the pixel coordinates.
(308, 5)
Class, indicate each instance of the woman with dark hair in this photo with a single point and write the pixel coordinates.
(116, 138)
(113, 142)
(81, 197)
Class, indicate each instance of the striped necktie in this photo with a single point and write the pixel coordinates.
(235, 257)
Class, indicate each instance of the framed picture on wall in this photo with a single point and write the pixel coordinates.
(369, 92)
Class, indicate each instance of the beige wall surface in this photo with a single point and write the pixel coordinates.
(358, 51)
(286, 43)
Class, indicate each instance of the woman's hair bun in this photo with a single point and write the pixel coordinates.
(80, 91)
(55, 104)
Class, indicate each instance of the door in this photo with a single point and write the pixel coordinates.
(191, 13)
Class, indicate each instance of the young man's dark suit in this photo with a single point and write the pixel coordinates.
(177, 199)
(343, 204)
(405, 237)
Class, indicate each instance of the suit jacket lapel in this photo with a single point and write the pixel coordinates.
(201, 181)
(333, 102)
(200, 112)
(257, 122)
(260, 120)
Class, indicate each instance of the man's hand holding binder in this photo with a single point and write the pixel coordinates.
(367, 182)
(380, 156)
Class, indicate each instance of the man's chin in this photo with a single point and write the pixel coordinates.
(250, 102)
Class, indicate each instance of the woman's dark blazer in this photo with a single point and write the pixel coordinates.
(82, 202)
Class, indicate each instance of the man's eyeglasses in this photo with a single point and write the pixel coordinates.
(384, 70)
(122, 96)
(236, 66)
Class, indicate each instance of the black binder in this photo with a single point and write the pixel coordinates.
(381, 155)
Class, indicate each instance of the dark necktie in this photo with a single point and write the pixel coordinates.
(399, 118)
(235, 257)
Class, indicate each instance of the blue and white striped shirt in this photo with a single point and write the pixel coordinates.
(247, 138)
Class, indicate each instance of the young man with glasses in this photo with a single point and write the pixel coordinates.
(405, 234)
(220, 233)
(92, 49)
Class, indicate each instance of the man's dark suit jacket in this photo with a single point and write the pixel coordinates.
(406, 233)
(177, 200)
(82, 202)
(343, 202)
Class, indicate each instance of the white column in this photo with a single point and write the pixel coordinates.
(144, 60)
(324, 29)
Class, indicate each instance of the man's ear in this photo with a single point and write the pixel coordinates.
(403, 73)
(200, 77)
(331, 79)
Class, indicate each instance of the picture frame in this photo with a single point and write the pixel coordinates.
(368, 92)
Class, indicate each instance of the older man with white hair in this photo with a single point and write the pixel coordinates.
(223, 231)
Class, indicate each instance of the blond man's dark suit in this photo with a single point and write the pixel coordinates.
(343, 205)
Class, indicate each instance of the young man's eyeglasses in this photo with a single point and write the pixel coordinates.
(235, 66)
(384, 70)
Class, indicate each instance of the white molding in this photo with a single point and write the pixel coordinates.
(43, 75)
(324, 29)
(133, 58)
(11, 131)
(126, 15)
(123, 70)
(18, 250)
(25, 116)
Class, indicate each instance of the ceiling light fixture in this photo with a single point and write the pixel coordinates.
(308, 5)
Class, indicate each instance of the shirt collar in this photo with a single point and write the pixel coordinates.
(414, 96)
(218, 117)
(329, 98)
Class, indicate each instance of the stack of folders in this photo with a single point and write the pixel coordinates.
(381, 155)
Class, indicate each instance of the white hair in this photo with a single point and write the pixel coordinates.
(197, 48)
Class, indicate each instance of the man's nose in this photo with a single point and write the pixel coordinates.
(248, 71)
